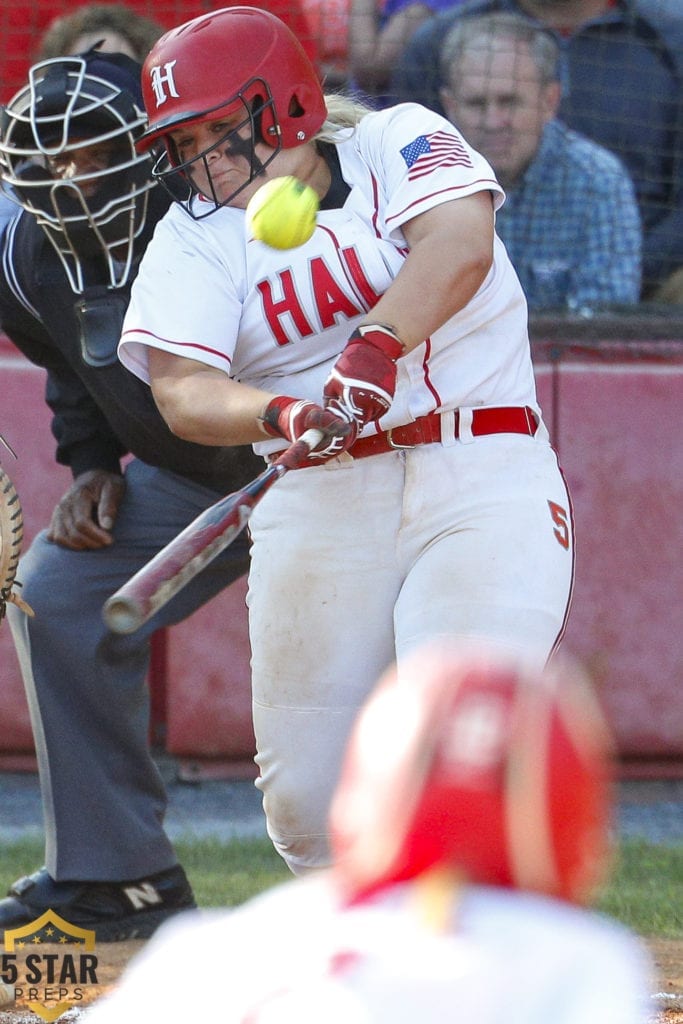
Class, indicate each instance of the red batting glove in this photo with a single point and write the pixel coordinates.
(292, 417)
(363, 379)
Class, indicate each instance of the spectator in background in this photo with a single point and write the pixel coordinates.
(622, 71)
(379, 31)
(469, 824)
(121, 29)
(118, 29)
(293, 14)
(570, 220)
(23, 24)
(124, 30)
(329, 24)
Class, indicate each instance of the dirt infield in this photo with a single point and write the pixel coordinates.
(668, 958)
(667, 1003)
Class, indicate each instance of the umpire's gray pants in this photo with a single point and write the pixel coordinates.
(103, 797)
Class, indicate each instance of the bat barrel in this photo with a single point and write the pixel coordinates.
(123, 615)
(174, 566)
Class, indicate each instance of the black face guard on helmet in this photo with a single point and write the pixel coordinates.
(178, 178)
(91, 100)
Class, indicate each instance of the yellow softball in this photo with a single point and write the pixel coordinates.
(283, 213)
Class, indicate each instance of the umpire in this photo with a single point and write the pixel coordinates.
(90, 205)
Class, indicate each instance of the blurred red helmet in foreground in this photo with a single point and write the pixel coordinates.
(470, 761)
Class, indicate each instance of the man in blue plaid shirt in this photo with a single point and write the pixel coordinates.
(570, 221)
(622, 87)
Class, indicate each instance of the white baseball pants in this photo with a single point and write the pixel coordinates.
(357, 562)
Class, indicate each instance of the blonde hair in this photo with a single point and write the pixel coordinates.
(342, 112)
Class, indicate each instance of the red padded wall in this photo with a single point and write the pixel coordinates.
(615, 411)
(208, 692)
(619, 429)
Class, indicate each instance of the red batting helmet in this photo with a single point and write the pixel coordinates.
(238, 55)
(480, 764)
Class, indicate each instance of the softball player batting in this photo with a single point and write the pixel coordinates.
(434, 505)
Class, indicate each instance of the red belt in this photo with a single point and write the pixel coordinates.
(428, 430)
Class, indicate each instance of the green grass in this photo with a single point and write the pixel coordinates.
(226, 874)
(645, 891)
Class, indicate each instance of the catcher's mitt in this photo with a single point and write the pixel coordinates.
(11, 536)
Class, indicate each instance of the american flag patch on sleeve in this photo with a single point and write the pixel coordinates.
(427, 152)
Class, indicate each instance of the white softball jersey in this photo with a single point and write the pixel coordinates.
(278, 320)
(292, 957)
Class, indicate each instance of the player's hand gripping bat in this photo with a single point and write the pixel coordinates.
(200, 542)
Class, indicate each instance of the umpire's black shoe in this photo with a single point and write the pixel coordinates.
(114, 910)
